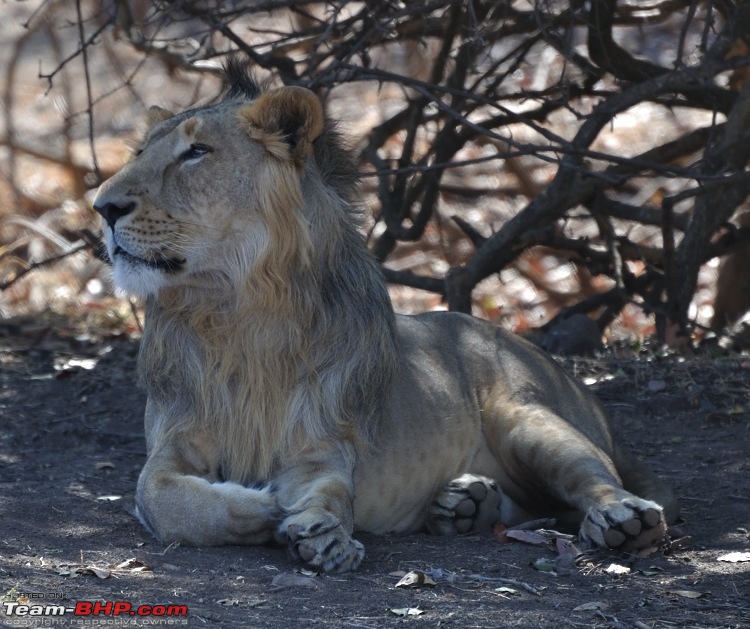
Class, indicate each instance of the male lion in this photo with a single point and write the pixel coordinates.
(287, 401)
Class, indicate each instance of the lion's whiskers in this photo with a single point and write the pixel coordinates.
(200, 228)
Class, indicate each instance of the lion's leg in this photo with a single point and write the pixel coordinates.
(180, 505)
(544, 458)
(316, 494)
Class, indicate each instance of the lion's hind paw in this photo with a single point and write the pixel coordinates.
(628, 524)
(469, 503)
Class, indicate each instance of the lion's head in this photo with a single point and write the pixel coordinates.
(267, 321)
(216, 191)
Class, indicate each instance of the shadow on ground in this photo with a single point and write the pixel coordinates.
(71, 447)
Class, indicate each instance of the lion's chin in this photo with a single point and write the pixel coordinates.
(131, 278)
(133, 275)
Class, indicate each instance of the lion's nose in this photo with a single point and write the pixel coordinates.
(112, 212)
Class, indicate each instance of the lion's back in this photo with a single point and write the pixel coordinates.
(475, 356)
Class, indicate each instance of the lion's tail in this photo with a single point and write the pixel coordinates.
(641, 481)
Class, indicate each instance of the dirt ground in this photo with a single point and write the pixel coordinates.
(71, 446)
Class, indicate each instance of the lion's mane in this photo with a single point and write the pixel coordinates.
(297, 348)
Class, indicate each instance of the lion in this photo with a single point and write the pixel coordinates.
(287, 402)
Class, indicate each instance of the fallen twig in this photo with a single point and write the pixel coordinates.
(506, 581)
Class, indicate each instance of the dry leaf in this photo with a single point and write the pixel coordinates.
(591, 607)
(616, 569)
(415, 579)
(407, 611)
(734, 557)
(687, 593)
(74, 364)
(566, 548)
(102, 573)
(133, 565)
(528, 537)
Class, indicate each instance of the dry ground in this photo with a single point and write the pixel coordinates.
(71, 446)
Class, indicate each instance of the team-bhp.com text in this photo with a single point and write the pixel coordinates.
(91, 609)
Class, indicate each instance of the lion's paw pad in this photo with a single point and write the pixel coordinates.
(629, 524)
(469, 503)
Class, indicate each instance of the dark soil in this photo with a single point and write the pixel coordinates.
(71, 447)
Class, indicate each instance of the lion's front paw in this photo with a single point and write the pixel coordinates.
(628, 524)
(318, 540)
(469, 503)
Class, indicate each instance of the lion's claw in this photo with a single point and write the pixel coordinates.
(331, 552)
(318, 540)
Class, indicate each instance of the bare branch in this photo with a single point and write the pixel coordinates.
(494, 103)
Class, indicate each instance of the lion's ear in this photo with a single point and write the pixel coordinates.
(155, 115)
(289, 119)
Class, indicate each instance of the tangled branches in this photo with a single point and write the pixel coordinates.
(484, 87)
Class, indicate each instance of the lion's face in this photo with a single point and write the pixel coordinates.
(194, 204)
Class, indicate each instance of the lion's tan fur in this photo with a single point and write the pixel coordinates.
(187, 333)
(285, 398)
(288, 378)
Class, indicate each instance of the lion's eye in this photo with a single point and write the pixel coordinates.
(194, 152)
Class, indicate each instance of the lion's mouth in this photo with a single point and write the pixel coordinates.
(168, 265)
